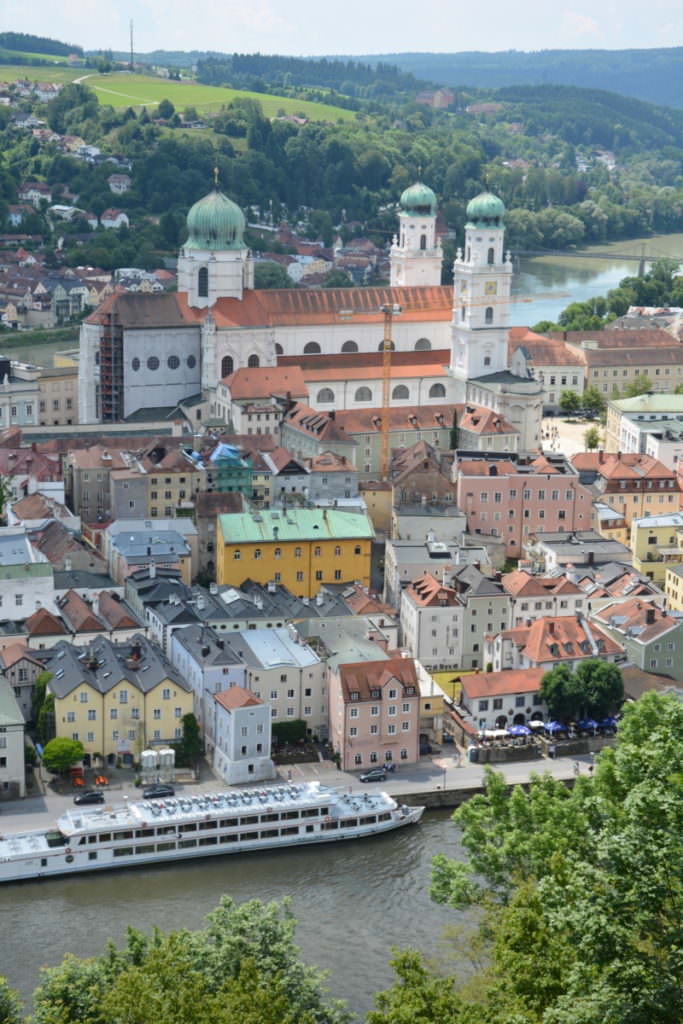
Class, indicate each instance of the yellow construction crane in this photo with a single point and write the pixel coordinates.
(389, 311)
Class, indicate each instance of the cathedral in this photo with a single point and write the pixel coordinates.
(144, 355)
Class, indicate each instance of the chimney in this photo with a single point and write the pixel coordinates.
(601, 456)
(650, 616)
(551, 627)
(332, 413)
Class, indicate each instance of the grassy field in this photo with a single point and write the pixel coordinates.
(55, 73)
(10, 55)
(123, 90)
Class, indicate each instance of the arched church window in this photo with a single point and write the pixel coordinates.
(423, 242)
(490, 256)
(253, 362)
(191, 362)
(469, 254)
(279, 351)
(349, 346)
(381, 346)
(400, 391)
(437, 391)
(488, 315)
(203, 283)
(363, 395)
(227, 366)
(423, 345)
(311, 348)
(325, 395)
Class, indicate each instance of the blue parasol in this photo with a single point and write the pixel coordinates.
(519, 730)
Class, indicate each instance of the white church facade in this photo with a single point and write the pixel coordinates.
(141, 355)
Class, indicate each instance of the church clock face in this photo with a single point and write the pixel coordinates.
(490, 288)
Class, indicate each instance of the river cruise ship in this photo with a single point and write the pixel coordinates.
(206, 824)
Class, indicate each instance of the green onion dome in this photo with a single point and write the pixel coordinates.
(485, 211)
(216, 223)
(418, 200)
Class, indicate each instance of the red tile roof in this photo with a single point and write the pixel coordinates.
(499, 684)
(13, 653)
(236, 697)
(266, 381)
(561, 638)
(362, 677)
(640, 620)
(44, 623)
(524, 584)
(426, 591)
(622, 466)
(78, 614)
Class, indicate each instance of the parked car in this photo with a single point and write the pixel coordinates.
(374, 775)
(91, 796)
(158, 792)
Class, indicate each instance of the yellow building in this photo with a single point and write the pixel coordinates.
(300, 548)
(378, 496)
(117, 699)
(673, 587)
(657, 544)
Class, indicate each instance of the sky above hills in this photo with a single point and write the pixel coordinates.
(308, 27)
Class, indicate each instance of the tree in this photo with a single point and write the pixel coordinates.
(10, 1005)
(559, 691)
(165, 110)
(570, 403)
(191, 746)
(591, 439)
(580, 888)
(593, 403)
(268, 274)
(337, 279)
(638, 386)
(242, 968)
(61, 753)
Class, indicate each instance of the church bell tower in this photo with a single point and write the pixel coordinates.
(416, 254)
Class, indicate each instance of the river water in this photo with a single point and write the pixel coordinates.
(353, 901)
(543, 286)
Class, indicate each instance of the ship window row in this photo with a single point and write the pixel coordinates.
(250, 819)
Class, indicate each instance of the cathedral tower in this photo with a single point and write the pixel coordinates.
(416, 254)
(482, 277)
(214, 262)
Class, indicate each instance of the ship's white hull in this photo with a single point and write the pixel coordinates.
(75, 860)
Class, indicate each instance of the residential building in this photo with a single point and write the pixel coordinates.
(545, 551)
(19, 394)
(300, 548)
(149, 529)
(12, 766)
(657, 543)
(209, 665)
(652, 637)
(377, 495)
(26, 579)
(482, 430)
(254, 399)
(553, 363)
(208, 506)
(432, 622)
(20, 669)
(629, 420)
(515, 495)
(240, 737)
(615, 359)
(405, 560)
(116, 699)
(286, 673)
(375, 713)
(550, 641)
(58, 395)
(673, 587)
(497, 700)
(164, 548)
(532, 595)
(635, 485)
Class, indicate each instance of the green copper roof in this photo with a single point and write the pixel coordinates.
(418, 199)
(297, 524)
(485, 211)
(216, 223)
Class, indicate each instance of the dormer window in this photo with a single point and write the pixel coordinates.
(355, 695)
(410, 691)
(375, 694)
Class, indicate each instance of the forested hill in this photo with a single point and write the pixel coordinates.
(655, 75)
(591, 117)
(26, 43)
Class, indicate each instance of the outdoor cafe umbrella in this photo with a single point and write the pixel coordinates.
(519, 730)
(587, 723)
(537, 723)
(555, 727)
(608, 723)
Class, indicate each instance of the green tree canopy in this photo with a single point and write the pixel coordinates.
(268, 274)
(581, 887)
(638, 386)
(570, 403)
(166, 110)
(61, 753)
(591, 439)
(242, 968)
(594, 690)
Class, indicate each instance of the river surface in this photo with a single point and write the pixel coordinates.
(544, 286)
(353, 901)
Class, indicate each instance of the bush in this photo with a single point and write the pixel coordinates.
(289, 732)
